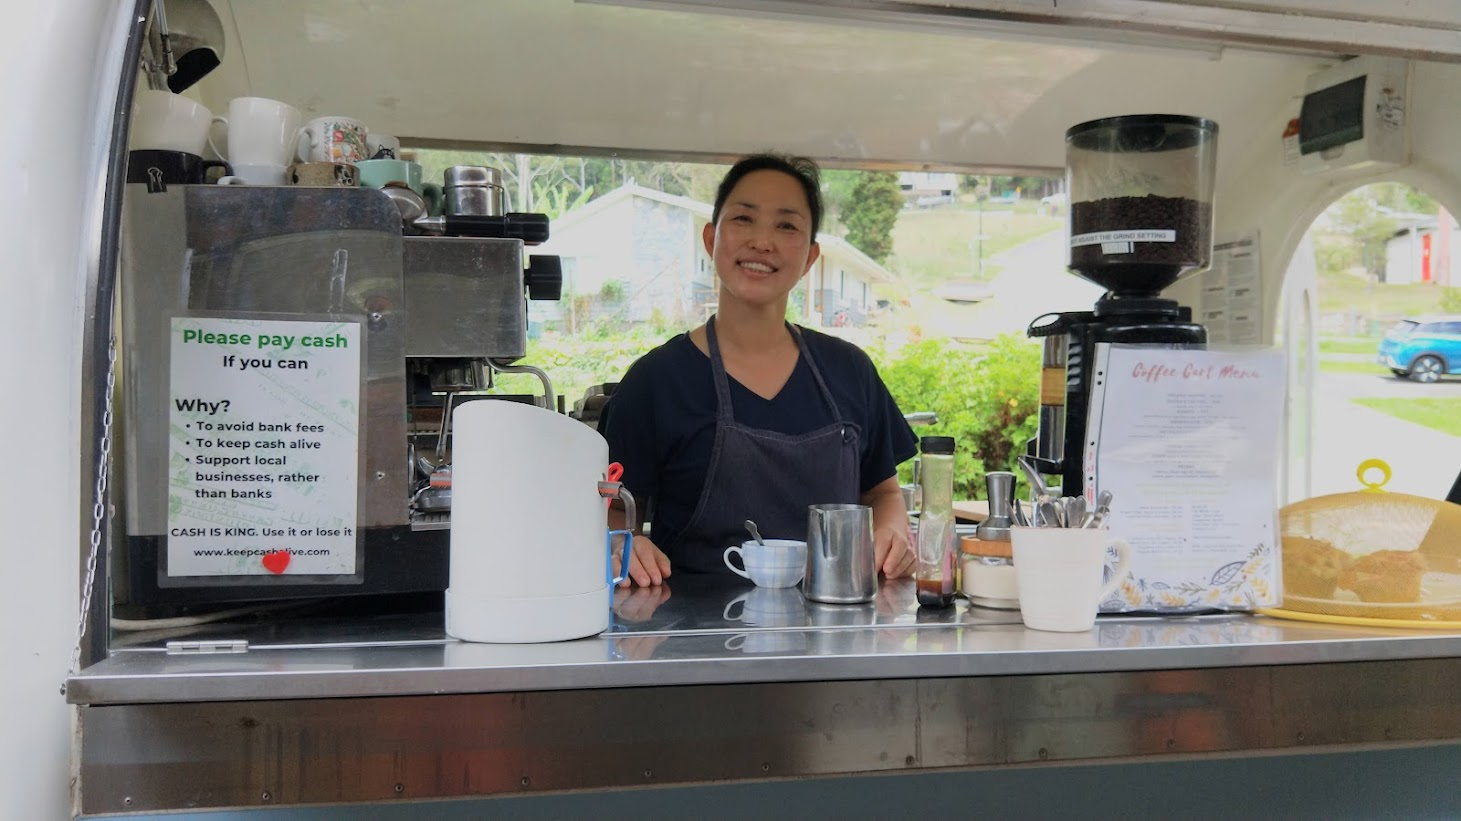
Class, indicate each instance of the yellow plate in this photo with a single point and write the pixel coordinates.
(1358, 621)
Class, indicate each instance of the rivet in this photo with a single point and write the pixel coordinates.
(1044, 753)
(379, 475)
(526, 781)
(127, 800)
(765, 766)
(1301, 736)
(649, 773)
(266, 796)
(400, 788)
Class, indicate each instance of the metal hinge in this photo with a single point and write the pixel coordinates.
(207, 648)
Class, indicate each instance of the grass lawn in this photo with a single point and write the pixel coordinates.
(1364, 345)
(933, 245)
(1339, 293)
(1328, 366)
(1440, 414)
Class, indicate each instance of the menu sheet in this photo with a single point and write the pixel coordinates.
(1186, 440)
(1232, 298)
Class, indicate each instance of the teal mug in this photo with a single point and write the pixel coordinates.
(378, 173)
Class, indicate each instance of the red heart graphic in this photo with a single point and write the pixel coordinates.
(276, 561)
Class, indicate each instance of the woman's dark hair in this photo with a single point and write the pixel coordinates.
(801, 169)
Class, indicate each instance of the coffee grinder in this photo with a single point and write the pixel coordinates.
(1140, 189)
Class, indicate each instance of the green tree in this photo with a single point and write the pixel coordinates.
(1362, 221)
(837, 188)
(986, 399)
(872, 211)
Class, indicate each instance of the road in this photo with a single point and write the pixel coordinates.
(1424, 461)
(1033, 281)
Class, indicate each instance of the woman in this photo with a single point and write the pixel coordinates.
(748, 416)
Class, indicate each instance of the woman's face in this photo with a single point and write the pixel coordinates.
(763, 243)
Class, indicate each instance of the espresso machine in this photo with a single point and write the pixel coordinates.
(1140, 189)
(397, 328)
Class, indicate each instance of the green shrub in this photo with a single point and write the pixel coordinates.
(985, 398)
(1451, 300)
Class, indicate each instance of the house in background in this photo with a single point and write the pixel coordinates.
(635, 252)
(1423, 250)
(925, 188)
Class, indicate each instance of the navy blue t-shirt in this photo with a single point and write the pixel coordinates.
(660, 421)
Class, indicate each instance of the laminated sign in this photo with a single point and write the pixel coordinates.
(1186, 441)
(263, 447)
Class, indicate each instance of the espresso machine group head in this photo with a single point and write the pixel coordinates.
(1140, 189)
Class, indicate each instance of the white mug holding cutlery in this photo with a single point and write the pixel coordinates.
(1058, 572)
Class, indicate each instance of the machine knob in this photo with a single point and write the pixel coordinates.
(544, 277)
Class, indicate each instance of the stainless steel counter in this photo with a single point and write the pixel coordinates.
(698, 631)
(696, 684)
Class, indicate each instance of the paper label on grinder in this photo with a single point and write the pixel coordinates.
(263, 447)
(1123, 238)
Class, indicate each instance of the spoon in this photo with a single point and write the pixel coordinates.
(1097, 517)
(1032, 475)
(751, 526)
(1050, 514)
(1075, 510)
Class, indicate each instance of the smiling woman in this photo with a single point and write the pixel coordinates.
(749, 416)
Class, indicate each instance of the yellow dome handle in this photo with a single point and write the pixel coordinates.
(1374, 464)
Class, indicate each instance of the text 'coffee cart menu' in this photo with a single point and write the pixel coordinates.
(263, 453)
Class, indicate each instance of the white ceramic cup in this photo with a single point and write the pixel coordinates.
(1058, 571)
(164, 121)
(768, 607)
(259, 132)
(768, 641)
(256, 175)
(778, 563)
(375, 142)
(332, 139)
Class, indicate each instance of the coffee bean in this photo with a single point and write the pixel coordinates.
(1191, 220)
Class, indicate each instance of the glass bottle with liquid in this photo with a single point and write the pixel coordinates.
(935, 572)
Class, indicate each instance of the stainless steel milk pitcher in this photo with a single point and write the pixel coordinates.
(841, 561)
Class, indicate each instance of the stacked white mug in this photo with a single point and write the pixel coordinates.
(169, 122)
(261, 138)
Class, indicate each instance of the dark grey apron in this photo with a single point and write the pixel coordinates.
(763, 475)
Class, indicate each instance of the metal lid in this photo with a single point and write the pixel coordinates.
(937, 444)
(471, 175)
(1141, 133)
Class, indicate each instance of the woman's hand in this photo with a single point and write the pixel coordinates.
(638, 604)
(894, 554)
(890, 528)
(648, 565)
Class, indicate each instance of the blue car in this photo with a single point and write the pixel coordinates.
(1423, 348)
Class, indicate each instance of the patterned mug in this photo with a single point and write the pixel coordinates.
(332, 139)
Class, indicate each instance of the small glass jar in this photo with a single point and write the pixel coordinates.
(987, 574)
